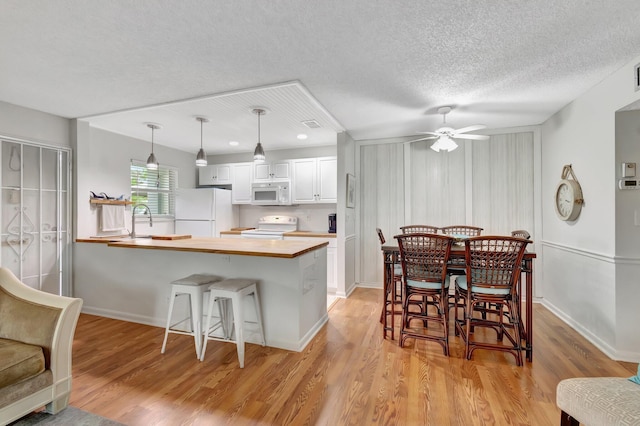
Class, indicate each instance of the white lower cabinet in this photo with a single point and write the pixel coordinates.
(332, 260)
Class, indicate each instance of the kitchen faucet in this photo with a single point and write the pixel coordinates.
(133, 218)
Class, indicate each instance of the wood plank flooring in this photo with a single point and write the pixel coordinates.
(348, 375)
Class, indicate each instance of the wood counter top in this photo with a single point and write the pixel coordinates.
(238, 246)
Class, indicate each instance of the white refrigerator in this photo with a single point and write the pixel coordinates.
(204, 212)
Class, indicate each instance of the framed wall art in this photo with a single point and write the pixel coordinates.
(351, 191)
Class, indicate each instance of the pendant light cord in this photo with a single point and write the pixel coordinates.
(201, 121)
(259, 114)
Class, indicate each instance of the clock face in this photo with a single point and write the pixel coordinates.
(568, 200)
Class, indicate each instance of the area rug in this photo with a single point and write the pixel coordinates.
(70, 416)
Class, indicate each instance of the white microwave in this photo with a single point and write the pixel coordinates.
(271, 194)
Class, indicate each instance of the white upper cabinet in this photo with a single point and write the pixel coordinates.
(241, 183)
(215, 174)
(315, 180)
(277, 170)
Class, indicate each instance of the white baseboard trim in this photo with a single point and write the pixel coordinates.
(310, 334)
(592, 338)
(370, 285)
(124, 316)
(139, 319)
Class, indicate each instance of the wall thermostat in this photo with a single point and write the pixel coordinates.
(628, 184)
(628, 170)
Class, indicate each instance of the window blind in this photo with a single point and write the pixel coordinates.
(155, 188)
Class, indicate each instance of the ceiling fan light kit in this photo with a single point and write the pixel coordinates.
(444, 135)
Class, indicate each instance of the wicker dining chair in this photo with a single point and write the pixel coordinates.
(521, 233)
(392, 294)
(457, 267)
(424, 260)
(493, 266)
(468, 231)
(413, 229)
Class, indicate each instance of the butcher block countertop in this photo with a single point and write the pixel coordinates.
(238, 246)
(290, 234)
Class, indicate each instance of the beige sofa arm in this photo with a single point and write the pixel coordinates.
(47, 320)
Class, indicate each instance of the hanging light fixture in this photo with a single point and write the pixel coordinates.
(201, 158)
(152, 162)
(258, 153)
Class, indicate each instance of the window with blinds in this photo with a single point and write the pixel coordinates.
(155, 188)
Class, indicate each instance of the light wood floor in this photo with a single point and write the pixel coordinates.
(347, 375)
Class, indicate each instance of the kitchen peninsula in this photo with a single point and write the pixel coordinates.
(131, 279)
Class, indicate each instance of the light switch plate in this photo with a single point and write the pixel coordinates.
(628, 170)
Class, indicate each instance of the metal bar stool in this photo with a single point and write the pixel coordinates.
(194, 286)
(234, 291)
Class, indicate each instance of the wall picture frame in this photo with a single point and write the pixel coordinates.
(351, 191)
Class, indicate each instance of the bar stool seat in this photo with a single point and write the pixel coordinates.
(194, 286)
(231, 323)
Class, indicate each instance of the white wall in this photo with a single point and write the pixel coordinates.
(34, 126)
(311, 217)
(103, 165)
(346, 217)
(585, 279)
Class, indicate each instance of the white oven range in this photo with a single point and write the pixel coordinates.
(272, 228)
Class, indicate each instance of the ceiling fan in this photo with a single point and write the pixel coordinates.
(444, 135)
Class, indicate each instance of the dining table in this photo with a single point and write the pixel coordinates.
(391, 257)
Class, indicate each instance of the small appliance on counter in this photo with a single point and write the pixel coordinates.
(332, 223)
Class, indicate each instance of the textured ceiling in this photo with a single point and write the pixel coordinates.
(380, 68)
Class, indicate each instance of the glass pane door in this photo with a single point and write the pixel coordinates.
(34, 219)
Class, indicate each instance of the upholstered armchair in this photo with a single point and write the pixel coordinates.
(36, 337)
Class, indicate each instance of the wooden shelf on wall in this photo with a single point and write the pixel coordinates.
(104, 201)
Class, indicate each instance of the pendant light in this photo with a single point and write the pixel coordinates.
(152, 162)
(258, 153)
(201, 158)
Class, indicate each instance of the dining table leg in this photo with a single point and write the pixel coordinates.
(389, 293)
(528, 264)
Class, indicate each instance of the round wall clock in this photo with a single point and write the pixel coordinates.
(568, 196)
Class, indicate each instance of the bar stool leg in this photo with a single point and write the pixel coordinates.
(207, 325)
(258, 314)
(172, 299)
(238, 321)
(196, 319)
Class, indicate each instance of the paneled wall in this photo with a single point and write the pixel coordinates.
(503, 183)
(482, 183)
(435, 192)
(381, 204)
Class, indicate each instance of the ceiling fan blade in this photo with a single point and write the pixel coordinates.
(474, 137)
(423, 139)
(429, 133)
(470, 128)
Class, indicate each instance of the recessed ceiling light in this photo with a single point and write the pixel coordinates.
(234, 143)
(302, 136)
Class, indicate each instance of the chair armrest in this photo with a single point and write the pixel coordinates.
(39, 318)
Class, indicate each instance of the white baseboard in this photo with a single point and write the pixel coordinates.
(592, 338)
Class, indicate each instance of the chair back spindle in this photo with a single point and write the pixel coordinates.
(419, 229)
(466, 230)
